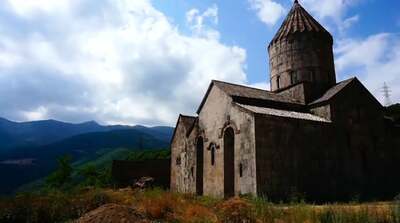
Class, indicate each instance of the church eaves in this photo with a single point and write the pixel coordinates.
(236, 92)
(283, 113)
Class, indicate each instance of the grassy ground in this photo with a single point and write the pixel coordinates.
(162, 206)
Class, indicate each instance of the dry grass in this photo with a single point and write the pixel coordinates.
(162, 206)
(236, 210)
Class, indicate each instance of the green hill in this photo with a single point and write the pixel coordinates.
(32, 163)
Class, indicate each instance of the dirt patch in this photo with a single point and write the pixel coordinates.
(113, 213)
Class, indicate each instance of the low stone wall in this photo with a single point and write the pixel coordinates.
(126, 172)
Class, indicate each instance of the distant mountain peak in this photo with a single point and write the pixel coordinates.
(92, 122)
(5, 120)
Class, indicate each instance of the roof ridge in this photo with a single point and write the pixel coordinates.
(331, 92)
(245, 86)
(242, 91)
(187, 116)
(349, 79)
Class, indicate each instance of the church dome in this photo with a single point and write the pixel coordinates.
(300, 21)
(301, 52)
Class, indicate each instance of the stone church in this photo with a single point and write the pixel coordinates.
(309, 136)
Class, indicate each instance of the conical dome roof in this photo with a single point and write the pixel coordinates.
(300, 21)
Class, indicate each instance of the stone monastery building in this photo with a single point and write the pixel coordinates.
(309, 136)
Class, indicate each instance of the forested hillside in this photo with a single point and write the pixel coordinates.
(36, 154)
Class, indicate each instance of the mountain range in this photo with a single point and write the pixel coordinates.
(28, 150)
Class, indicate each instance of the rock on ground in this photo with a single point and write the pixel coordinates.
(113, 213)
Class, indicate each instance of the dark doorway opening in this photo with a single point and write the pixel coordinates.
(199, 166)
(229, 163)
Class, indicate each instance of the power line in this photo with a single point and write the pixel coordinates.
(386, 94)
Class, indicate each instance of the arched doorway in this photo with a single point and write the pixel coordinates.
(199, 166)
(229, 162)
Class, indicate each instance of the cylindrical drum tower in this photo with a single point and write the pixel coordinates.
(300, 52)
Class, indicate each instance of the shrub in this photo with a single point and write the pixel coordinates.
(236, 210)
(197, 214)
(265, 210)
(158, 204)
(357, 214)
(395, 210)
(55, 206)
(207, 201)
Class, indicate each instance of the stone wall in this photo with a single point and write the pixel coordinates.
(355, 156)
(303, 92)
(323, 111)
(372, 163)
(182, 160)
(294, 158)
(217, 114)
(310, 57)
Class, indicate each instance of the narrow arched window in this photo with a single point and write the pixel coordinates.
(358, 114)
(213, 154)
(293, 77)
(312, 75)
(240, 170)
(278, 80)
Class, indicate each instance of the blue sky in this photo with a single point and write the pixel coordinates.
(144, 62)
(239, 25)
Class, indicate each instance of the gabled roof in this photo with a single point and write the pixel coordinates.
(299, 21)
(340, 87)
(187, 122)
(282, 113)
(333, 91)
(240, 91)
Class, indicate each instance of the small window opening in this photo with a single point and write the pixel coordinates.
(213, 154)
(312, 75)
(192, 172)
(348, 140)
(293, 77)
(240, 169)
(278, 80)
(359, 113)
(178, 161)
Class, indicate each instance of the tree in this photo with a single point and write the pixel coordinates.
(95, 176)
(90, 174)
(63, 173)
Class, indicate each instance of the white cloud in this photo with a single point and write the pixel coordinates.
(329, 8)
(349, 22)
(268, 11)
(201, 23)
(333, 13)
(374, 60)
(35, 7)
(37, 114)
(115, 61)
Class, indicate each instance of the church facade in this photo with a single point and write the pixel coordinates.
(309, 136)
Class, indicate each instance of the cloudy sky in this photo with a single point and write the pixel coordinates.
(144, 62)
